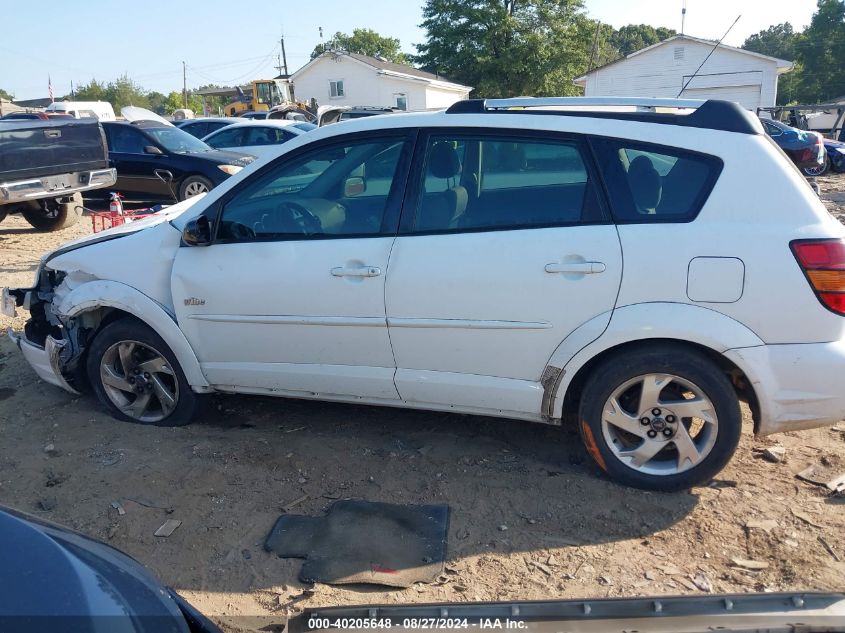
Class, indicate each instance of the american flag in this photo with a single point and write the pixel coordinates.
(50, 88)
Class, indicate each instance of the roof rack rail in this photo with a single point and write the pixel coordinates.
(725, 116)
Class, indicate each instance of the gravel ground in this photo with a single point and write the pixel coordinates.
(525, 523)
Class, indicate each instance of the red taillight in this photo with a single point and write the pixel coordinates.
(823, 262)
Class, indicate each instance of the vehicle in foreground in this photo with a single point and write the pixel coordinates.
(204, 126)
(45, 165)
(158, 161)
(472, 261)
(54, 579)
(256, 137)
(805, 149)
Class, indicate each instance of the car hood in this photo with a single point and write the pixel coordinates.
(165, 215)
(223, 157)
(53, 572)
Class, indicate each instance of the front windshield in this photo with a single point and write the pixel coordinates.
(177, 140)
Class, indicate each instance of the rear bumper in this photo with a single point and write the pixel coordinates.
(44, 360)
(798, 386)
(55, 186)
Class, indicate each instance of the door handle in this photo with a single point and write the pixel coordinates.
(363, 271)
(579, 268)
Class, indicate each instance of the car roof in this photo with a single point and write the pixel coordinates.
(264, 123)
(208, 119)
(146, 125)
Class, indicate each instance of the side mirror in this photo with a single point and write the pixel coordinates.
(197, 232)
(152, 149)
(354, 186)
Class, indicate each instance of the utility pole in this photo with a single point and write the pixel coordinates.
(683, 14)
(184, 86)
(284, 58)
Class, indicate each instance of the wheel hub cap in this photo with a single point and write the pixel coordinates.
(139, 381)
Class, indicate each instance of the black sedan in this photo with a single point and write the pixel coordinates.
(53, 579)
(156, 161)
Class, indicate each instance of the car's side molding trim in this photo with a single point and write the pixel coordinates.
(291, 320)
(468, 324)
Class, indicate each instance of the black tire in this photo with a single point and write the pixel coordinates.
(54, 217)
(192, 182)
(810, 172)
(661, 358)
(130, 329)
(3, 214)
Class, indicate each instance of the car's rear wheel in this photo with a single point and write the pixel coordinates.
(820, 170)
(664, 418)
(194, 186)
(137, 377)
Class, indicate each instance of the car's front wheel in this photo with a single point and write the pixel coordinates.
(137, 377)
(660, 418)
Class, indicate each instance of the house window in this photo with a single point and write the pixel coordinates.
(400, 100)
(336, 89)
(679, 52)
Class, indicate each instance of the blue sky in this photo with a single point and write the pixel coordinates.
(227, 42)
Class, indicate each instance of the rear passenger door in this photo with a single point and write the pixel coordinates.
(504, 249)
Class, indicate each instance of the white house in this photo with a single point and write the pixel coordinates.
(338, 78)
(661, 70)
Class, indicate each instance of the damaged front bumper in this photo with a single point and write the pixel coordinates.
(44, 360)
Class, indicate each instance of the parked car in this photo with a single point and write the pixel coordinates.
(33, 116)
(834, 157)
(155, 161)
(805, 149)
(254, 115)
(45, 165)
(334, 114)
(258, 138)
(472, 261)
(54, 579)
(205, 125)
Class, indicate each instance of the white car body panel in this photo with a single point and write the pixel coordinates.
(274, 316)
(482, 304)
(471, 321)
(259, 151)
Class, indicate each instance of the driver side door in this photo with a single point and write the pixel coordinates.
(289, 297)
(135, 168)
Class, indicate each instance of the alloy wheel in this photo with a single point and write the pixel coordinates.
(139, 381)
(659, 424)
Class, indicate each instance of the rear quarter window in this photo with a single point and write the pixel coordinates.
(651, 183)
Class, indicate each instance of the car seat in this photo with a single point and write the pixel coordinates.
(646, 184)
(443, 209)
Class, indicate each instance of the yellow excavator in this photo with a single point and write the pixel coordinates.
(264, 95)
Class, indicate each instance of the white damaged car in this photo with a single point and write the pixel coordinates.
(638, 267)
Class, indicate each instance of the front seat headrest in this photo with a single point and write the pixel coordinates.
(443, 161)
(646, 185)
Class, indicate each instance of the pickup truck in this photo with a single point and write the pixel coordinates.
(46, 165)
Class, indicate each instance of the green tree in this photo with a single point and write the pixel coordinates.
(505, 48)
(781, 41)
(5, 95)
(158, 102)
(364, 42)
(821, 52)
(123, 92)
(634, 37)
(92, 91)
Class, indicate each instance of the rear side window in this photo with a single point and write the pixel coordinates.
(648, 183)
(500, 183)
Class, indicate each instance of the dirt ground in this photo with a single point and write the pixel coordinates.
(531, 517)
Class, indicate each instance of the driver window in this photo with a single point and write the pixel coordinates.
(336, 190)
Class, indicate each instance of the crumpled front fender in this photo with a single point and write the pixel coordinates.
(112, 294)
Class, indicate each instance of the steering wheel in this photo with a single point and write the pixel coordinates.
(307, 221)
(240, 231)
